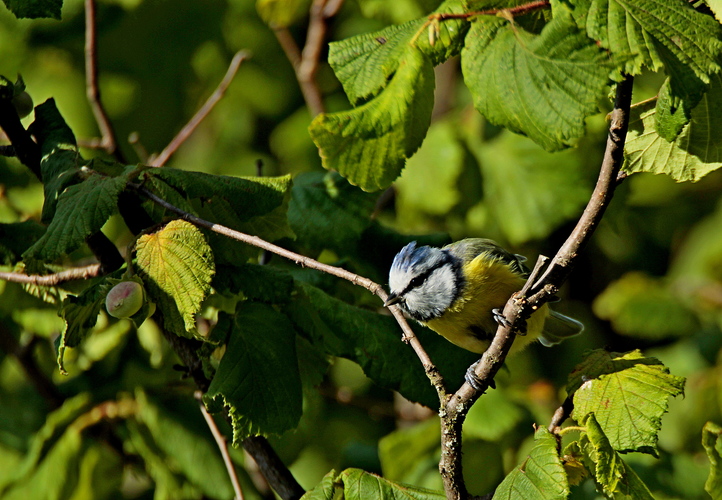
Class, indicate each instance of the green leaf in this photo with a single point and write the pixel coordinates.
(713, 446)
(528, 191)
(695, 152)
(628, 394)
(542, 86)
(643, 307)
(172, 427)
(365, 63)
(374, 342)
(540, 476)
(356, 484)
(368, 145)
(81, 211)
(258, 283)
(80, 314)
(247, 196)
(60, 163)
(326, 212)
(615, 477)
(258, 378)
(676, 99)
(34, 9)
(649, 30)
(176, 265)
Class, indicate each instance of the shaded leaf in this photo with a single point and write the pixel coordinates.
(406, 450)
(492, 417)
(34, 9)
(258, 377)
(356, 484)
(540, 476)
(542, 86)
(81, 211)
(369, 144)
(628, 394)
(176, 265)
(16, 238)
(695, 152)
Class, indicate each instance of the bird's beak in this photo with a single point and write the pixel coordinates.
(392, 299)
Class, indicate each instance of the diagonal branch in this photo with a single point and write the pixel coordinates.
(75, 273)
(303, 261)
(191, 126)
(522, 304)
(108, 141)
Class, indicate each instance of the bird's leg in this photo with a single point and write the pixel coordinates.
(473, 380)
(501, 319)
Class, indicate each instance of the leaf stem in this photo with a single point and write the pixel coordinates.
(519, 10)
(222, 446)
(204, 110)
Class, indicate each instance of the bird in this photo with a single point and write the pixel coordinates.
(458, 291)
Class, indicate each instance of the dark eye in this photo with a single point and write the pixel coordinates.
(416, 282)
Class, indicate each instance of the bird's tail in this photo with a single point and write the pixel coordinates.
(559, 327)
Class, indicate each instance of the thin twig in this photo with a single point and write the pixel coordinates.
(26, 150)
(518, 10)
(519, 306)
(305, 62)
(304, 261)
(222, 445)
(561, 414)
(108, 141)
(76, 273)
(191, 126)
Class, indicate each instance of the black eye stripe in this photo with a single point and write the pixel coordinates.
(421, 278)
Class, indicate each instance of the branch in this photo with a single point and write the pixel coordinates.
(521, 306)
(519, 10)
(76, 273)
(222, 445)
(305, 63)
(273, 468)
(108, 141)
(191, 126)
(561, 414)
(26, 150)
(303, 261)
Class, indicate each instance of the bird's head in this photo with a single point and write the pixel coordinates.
(424, 281)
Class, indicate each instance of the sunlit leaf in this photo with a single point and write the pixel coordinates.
(628, 394)
(540, 476)
(713, 446)
(695, 152)
(176, 264)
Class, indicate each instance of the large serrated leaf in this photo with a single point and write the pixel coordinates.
(258, 377)
(81, 211)
(695, 152)
(177, 264)
(368, 145)
(356, 484)
(644, 28)
(628, 393)
(540, 477)
(713, 446)
(615, 477)
(542, 86)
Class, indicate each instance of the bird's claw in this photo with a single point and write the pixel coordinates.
(474, 381)
(501, 320)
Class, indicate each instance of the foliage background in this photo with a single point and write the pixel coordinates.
(652, 278)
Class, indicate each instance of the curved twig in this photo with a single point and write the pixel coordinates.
(76, 273)
(210, 103)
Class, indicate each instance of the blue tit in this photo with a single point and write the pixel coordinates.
(457, 291)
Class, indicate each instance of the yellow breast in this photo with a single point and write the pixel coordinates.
(469, 322)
